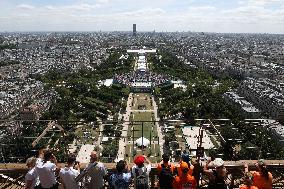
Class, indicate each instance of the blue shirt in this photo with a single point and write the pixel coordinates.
(120, 181)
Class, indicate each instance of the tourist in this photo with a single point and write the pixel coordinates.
(69, 173)
(165, 173)
(184, 158)
(185, 180)
(121, 179)
(248, 182)
(31, 178)
(262, 178)
(140, 172)
(97, 172)
(46, 171)
(216, 175)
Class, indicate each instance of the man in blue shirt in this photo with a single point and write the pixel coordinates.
(121, 179)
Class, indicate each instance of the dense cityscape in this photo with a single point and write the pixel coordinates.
(123, 94)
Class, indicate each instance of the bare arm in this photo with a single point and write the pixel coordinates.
(246, 167)
(147, 160)
(29, 184)
(208, 172)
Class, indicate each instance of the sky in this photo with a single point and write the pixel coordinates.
(223, 16)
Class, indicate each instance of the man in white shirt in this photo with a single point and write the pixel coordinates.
(69, 173)
(46, 171)
(31, 178)
(97, 172)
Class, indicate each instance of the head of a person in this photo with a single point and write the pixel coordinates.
(93, 157)
(218, 163)
(165, 158)
(184, 168)
(31, 162)
(248, 179)
(48, 155)
(71, 160)
(185, 157)
(120, 166)
(261, 166)
(139, 161)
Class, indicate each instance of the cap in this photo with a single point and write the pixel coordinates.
(261, 162)
(139, 160)
(218, 162)
(183, 165)
(185, 157)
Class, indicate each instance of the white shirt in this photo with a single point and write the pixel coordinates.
(97, 174)
(46, 174)
(145, 168)
(68, 175)
(31, 176)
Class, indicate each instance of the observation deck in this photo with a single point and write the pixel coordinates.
(66, 137)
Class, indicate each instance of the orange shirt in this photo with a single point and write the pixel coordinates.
(260, 181)
(246, 187)
(184, 182)
(190, 171)
(159, 167)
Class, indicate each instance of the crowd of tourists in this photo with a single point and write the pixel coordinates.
(44, 173)
(130, 78)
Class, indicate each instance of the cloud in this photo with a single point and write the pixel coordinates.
(161, 15)
(25, 7)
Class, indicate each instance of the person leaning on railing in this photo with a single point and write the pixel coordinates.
(248, 182)
(97, 171)
(69, 173)
(121, 179)
(262, 178)
(165, 171)
(217, 175)
(31, 178)
(46, 171)
(184, 179)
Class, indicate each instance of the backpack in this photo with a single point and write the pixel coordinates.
(141, 180)
(166, 177)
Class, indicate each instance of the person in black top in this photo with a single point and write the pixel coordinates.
(217, 175)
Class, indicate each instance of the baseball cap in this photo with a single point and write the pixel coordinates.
(185, 157)
(218, 162)
(139, 160)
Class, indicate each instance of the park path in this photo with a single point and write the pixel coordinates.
(158, 126)
(84, 153)
(123, 139)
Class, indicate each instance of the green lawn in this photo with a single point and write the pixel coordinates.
(149, 128)
(141, 99)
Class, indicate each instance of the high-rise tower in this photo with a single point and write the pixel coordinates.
(134, 30)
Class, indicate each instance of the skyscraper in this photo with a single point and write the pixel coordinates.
(134, 30)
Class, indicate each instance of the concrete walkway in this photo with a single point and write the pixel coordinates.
(123, 139)
(84, 153)
(159, 129)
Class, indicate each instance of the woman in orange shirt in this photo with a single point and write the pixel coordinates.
(261, 178)
(185, 180)
(248, 182)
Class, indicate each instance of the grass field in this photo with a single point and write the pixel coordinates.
(142, 99)
(149, 129)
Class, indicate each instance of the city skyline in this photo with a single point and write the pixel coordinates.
(236, 16)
